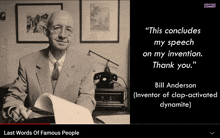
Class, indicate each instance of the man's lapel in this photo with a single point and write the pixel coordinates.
(65, 74)
(43, 73)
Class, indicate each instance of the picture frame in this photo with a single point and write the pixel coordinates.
(99, 21)
(30, 20)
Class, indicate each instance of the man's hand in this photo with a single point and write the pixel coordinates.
(20, 113)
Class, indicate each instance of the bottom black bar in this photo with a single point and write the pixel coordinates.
(112, 130)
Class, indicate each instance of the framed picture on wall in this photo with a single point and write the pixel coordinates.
(30, 20)
(99, 21)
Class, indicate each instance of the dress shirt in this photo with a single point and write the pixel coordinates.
(52, 60)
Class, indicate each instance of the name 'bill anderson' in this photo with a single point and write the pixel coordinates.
(174, 85)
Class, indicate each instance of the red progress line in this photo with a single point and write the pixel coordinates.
(24, 123)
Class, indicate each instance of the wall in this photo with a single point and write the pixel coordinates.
(10, 51)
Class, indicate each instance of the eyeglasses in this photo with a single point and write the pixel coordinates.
(58, 29)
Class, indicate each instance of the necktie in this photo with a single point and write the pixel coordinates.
(55, 75)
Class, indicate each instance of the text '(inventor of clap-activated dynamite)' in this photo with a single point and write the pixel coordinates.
(174, 94)
(168, 94)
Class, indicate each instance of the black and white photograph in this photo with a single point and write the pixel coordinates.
(36, 22)
(99, 21)
(63, 63)
(99, 17)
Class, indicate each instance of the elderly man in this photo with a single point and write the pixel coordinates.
(58, 70)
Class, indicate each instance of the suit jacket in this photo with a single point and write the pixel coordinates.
(75, 82)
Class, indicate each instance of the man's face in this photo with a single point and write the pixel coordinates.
(60, 31)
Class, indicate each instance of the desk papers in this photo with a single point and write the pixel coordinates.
(65, 112)
(115, 119)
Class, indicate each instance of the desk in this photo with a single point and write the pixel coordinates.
(95, 114)
(103, 108)
(108, 112)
